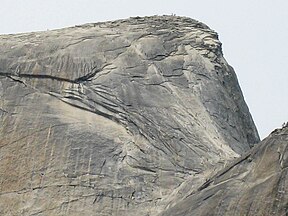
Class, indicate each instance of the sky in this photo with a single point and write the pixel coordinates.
(254, 34)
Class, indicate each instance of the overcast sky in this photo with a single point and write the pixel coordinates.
(254, 34)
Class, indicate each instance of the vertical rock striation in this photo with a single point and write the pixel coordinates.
(116, 117)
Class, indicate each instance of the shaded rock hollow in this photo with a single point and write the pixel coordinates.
(117, 117)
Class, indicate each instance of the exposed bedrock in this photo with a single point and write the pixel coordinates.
(117, 117)
(255, 184)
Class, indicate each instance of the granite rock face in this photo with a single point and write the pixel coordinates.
(255, 184)
(115, 118)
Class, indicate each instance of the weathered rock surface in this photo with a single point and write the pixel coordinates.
(115, 118)
(255, 184)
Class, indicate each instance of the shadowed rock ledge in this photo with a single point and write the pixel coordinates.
(117, 117)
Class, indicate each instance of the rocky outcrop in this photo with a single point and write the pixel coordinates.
(255, 184)
(115, 118)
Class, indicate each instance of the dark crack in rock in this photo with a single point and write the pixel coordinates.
(117, 117)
